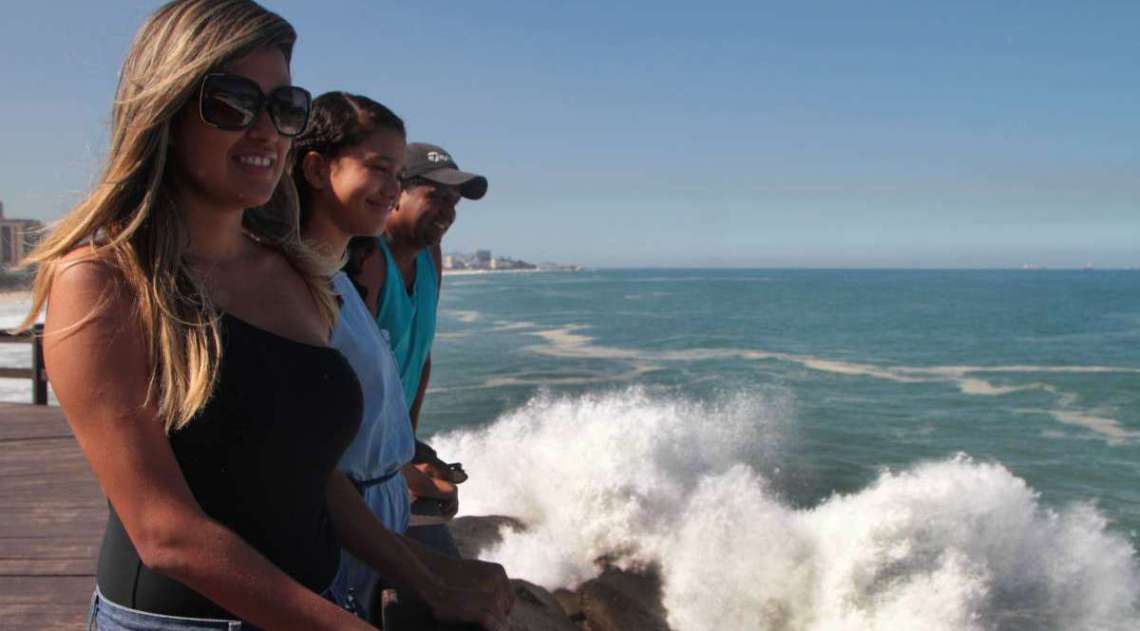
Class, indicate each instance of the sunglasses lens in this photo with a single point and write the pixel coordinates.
(289, 108)
(230, 102)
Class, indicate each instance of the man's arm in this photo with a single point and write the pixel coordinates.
(414, 412)
(425, 373)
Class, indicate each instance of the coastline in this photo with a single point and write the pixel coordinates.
(479, 272)
(10, 296)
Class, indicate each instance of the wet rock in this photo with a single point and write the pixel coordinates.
(617, 600)
(475, 534)
(571, 603)
(620, 601)
(537, 610)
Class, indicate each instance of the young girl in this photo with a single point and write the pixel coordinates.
(348, 164)
(189, 353)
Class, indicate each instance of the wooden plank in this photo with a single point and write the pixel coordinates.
(53, 519)
(46, 456)
(17, 373)
(47, 556)
(47, 603)
(24, 421)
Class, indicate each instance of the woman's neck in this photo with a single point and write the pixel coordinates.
(216, 235)
(324, 235)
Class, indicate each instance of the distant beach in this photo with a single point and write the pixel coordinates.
(16, 296)
(478, 272)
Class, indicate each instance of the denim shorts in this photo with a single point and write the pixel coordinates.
(108, 616)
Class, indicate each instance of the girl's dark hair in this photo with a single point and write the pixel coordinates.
(337, 120)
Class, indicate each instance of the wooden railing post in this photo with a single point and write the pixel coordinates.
(39, 373)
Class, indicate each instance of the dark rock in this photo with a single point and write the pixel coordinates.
(475, 534)
(615, 601)
(622, 601)
(536, 610)
(571, 602)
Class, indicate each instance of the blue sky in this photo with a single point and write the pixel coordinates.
(902, 134)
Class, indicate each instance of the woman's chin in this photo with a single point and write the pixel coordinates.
(252, 198)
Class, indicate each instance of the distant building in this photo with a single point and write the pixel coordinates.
(504, 263)
(483, 260)
(17, 238)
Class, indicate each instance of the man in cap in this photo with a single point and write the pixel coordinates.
(401, 279)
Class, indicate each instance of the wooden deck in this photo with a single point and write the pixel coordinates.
(52, 515)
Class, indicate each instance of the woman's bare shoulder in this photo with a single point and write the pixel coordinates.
(85, 266)
(87, 285)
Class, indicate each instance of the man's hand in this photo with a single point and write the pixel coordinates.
(423, 486)
(430, 463)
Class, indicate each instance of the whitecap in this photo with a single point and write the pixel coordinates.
(569, 342)
(687, 487)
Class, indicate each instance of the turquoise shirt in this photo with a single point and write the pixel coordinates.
(409, 317)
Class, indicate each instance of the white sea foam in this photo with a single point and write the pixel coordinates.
(463, 315)
(1109, 427)
(982, 387)
(685, 486)
(510, 325)
(570, 342)
(453, 335)
(636, 370)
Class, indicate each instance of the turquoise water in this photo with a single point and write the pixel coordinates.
(659, 328)
(961, 427)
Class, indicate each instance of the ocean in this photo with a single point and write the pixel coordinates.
(804, 449)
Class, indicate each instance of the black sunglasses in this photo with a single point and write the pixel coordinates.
(233, 102)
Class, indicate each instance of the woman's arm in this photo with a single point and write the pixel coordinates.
(98, 366)
(468, 573)
(484, 602)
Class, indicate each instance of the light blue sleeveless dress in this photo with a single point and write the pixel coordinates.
(409, 318)
(384, 443)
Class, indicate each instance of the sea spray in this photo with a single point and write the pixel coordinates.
(685, 486)
(946, 545)
(594, 474)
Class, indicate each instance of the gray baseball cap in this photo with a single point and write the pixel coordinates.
(432, 163)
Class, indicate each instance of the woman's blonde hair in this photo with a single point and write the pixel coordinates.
(129, 219)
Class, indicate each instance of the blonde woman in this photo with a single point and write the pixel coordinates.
(189, 352)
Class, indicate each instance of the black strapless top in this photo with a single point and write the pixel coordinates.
(257, 458)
